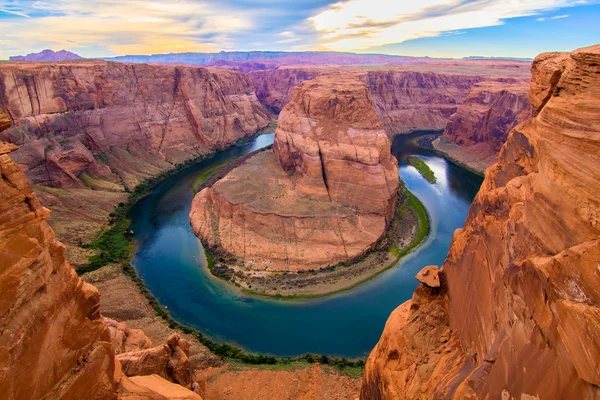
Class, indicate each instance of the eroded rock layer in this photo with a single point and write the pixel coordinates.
(117, 123)
(323, 195)
(481, 124)
(518, 311)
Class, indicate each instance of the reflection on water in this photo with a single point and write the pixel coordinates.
(170, 259)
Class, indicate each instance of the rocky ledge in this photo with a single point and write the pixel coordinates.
(324, 195)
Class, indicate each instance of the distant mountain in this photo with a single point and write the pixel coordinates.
(48, 55)
(497, 58)
(230, 58)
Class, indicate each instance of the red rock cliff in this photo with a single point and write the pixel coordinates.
(324, 194)
(517, 314)
(114, 122)
(480, 126)
(54, 344)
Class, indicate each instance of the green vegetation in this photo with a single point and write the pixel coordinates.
(423, 168)
(204, 176)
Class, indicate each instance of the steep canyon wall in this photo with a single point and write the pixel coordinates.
(517, 314)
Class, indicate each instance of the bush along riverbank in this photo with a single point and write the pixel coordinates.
(409, 227)
(423, 168)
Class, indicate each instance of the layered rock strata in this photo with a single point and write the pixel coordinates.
(53, 342)
(323, 195)
(517, 314)
(481, 124)
(116, 123)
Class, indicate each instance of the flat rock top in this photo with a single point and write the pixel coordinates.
(429, 276)
(263, 186)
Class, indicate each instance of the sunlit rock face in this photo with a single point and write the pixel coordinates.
(53, 343)
(517, 314)
(323, 195)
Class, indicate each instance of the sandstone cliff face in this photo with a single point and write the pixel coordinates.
(411, 101)
(325, 193)
(274, 86)
(119, 123)
(52, 340)
(482, 123)
(520, 286)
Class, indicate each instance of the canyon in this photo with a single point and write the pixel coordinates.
(512, 313)
(324, 195)
(516, 313)
(90, 131)
(480, 126)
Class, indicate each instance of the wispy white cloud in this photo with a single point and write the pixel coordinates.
(361, 24)
(14, 13)
(542, 19)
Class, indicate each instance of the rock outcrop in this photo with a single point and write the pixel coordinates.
(169, 361)
(518, 311)
(53, 343)
(274, 86)
(323, 195)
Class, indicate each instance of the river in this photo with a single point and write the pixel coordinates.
(170, 260)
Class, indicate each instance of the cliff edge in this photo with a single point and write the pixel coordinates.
(517, 314)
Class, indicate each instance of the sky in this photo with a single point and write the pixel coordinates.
(435, 28)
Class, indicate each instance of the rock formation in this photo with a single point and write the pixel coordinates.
(323, 195)
(116, 123)
(274, 86)
(481, 124)
(517, 314)
(53, 342)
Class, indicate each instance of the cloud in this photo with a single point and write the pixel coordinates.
(14, 13)
(362, 24)
(122, 27)
(542, 19)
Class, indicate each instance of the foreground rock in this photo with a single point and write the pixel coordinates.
(323, 195)
(517, 314)
(53, 341)
(481, 124)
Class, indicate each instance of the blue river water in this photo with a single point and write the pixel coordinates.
(170, 259)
